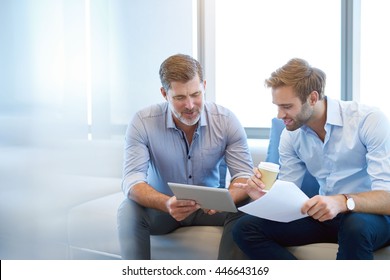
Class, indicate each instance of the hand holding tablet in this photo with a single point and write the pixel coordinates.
(207, 197)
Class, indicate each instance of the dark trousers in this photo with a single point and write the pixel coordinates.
(357, 234)
(136, 223)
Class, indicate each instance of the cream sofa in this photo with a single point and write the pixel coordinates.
(92, 225)
(61, 201)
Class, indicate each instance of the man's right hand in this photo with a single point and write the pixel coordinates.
(181, 209)
(254, 186)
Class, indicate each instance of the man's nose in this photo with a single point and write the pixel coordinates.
(281, 114)
(189, 102)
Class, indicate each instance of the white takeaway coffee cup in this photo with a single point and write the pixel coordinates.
(269, 172)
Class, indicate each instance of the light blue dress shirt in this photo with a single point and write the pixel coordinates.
(355, 154)
(157, 152)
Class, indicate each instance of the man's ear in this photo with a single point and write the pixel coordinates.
(313, 98)
(164, 93)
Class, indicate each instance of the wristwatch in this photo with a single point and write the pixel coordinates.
(350, 202)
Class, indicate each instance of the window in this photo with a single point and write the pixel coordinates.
(130, 39)
(253, 38)
(88, 64)
(92, 64)
(375, 56)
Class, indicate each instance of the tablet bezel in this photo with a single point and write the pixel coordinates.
(207, 197)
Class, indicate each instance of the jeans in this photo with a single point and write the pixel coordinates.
(136, 223)
(358, 235)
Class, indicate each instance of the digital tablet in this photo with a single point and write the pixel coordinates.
(207, 197)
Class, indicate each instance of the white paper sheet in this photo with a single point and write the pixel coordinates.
(282, 203)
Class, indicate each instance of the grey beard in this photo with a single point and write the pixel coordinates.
(183, 120)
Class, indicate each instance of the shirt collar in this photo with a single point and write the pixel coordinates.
(170, 122)
(333, 114)
(203, 121)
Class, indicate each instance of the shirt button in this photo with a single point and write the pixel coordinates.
(189, 157)
(190, 176)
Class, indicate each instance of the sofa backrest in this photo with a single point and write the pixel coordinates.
(95, 158)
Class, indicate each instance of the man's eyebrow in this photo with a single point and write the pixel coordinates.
(283, 104)
(184, 94)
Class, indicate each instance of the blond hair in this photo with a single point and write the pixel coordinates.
(301, 76)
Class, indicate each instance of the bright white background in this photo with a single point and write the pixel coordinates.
(375, 54)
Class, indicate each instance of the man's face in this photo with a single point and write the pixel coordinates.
(290, 108)
(186, 101)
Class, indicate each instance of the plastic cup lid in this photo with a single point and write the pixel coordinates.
(270, 166)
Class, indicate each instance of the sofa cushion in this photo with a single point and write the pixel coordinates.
(310, 185)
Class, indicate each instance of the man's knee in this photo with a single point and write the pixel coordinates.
(243, 227)
(355, 225)
(131, 214)
(357, 236)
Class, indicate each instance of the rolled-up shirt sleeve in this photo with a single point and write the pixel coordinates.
(136, 155)
(375, 133)
(237, 154)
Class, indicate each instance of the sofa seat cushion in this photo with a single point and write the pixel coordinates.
(186, 243)
(92, 225)
(316, 251)
(328, 251)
